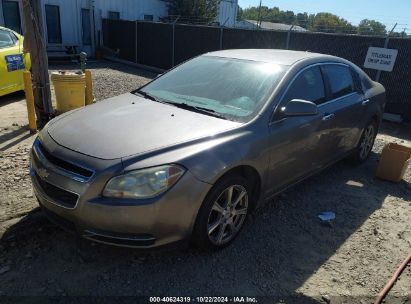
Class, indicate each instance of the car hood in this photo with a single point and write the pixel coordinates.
(128, 125)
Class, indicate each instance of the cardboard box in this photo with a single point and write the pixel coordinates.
(394, 162)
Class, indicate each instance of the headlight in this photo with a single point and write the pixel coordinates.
(145, 183)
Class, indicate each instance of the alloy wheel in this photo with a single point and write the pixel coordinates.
(227, 214)
(367, 141)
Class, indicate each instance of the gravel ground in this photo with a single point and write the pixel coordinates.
(284, 250)
(111, 79)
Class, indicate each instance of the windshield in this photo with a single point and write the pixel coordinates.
(230, 88)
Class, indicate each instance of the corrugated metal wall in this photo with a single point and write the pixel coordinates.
(227, 14)
(70, 20)
(132, 9)
(71, 23)
(70, 14)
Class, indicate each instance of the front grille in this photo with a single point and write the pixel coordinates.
(64, 164)
(61, 196)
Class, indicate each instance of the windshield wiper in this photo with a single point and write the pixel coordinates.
(149, 96)
(197, 109)
(183, 105)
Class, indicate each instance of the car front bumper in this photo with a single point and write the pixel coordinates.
(146, 223)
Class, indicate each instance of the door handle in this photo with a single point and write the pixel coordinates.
(365, 102)
(328, 116)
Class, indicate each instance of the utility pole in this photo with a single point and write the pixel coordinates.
(34, 43)
(259, 15)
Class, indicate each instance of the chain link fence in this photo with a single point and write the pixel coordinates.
(164, 45)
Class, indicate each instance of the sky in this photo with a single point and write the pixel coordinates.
(387, 12)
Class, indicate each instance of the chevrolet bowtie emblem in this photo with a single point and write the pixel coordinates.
(42, 173)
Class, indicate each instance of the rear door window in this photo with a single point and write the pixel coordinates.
(340, 80)
(309, 85)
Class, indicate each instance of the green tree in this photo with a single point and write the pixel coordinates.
(330, 23)
(321, 22)
(288, 17)
(302, 19)
(194, 10)
(267, 14)
(402, 34)
(371, 27)
(240, 13)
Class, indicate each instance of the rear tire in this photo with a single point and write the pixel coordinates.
(364, 147)
(222, 214)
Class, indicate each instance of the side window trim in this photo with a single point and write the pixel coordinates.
(337, 99)
(357, 81)
(327, 86)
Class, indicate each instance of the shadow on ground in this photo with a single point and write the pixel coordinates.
(402, 131)
(10, 98)
(282, 245)
(13, 137)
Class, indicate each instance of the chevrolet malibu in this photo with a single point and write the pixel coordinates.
(189, 155)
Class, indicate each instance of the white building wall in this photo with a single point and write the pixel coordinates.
(70, 21)
(71, 24)
(132, 9)
(227, 15)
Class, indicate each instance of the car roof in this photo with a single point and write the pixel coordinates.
(7, 29)
(284, 57)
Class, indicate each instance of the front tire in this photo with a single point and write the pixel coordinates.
(222, 214)
(364, 147)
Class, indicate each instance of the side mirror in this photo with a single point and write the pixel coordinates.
(299, 107)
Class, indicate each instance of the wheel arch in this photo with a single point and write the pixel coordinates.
(251, 174)
(377, 119)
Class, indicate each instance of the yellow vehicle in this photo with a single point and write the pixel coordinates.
(13, 61)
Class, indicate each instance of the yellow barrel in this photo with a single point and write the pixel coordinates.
(69, 89)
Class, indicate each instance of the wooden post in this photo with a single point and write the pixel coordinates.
(89, 88)
(35, 44)
(28, 89)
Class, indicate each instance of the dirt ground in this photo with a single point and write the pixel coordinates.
(284, 251)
